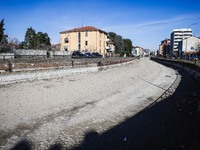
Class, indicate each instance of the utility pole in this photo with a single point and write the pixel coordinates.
(82, 22)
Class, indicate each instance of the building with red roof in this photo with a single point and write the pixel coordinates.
(85, 39)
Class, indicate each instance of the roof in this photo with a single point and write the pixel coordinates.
(82, 29)
(137, 47)
(182, 29)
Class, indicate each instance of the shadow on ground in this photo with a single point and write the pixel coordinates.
(171, 124)
(23, 145)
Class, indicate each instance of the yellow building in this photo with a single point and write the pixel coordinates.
(85, 39)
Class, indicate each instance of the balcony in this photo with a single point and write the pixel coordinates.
(107, 47)
(109, 41)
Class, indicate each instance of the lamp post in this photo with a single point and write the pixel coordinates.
(187, 37)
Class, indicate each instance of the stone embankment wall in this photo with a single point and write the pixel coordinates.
(34, 65)
(6, 55)
(191, 68)
(61, 53)
(33, 53)
(22, 52)
(14, 74)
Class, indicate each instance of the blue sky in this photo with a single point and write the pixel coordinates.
(145, 22)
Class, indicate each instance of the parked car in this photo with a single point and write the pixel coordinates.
(78, 54)
(89, 55)
(96, 55)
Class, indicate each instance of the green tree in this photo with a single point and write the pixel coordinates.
(1, 30)
(22, 45)
(43, 40)
(127, 46)
(30, 39)
(3, 38)
(118, 42)
(111, 35)
(35, 40)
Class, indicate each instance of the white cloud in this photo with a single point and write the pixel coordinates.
(151, 23)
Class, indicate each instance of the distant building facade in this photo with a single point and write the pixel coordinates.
(178, 35)
(85, 39)
(138, 51)
(110, 46)
(133, 51)
(146, 52)
(164, 48)
(189, 46)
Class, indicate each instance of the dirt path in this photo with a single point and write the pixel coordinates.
(64, 109)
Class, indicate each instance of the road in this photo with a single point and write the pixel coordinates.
(64, 109)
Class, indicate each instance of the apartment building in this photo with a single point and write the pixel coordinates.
(85, 39)
(178, 35)
(164, 48)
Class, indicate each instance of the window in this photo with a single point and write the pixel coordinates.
(86, 34)
(79, 37)
(86, 43)
(79, 46)
(66, 40)
(66, 48)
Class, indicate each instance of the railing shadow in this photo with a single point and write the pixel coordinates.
(172, 123)
(23, 145)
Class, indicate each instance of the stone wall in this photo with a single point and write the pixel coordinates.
(25, 52)
(61, 53)
(6, 55)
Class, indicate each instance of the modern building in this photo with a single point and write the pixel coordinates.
(85, 39)
(178, 35)
(164, 48)
(189, 47)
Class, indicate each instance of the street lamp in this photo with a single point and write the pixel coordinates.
(192, 24)
(187, 37)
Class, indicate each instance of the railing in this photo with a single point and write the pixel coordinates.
(168, 92)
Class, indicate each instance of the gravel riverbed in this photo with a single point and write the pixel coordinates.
(64, 108)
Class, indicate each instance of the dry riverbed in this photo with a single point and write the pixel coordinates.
(64, 108)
